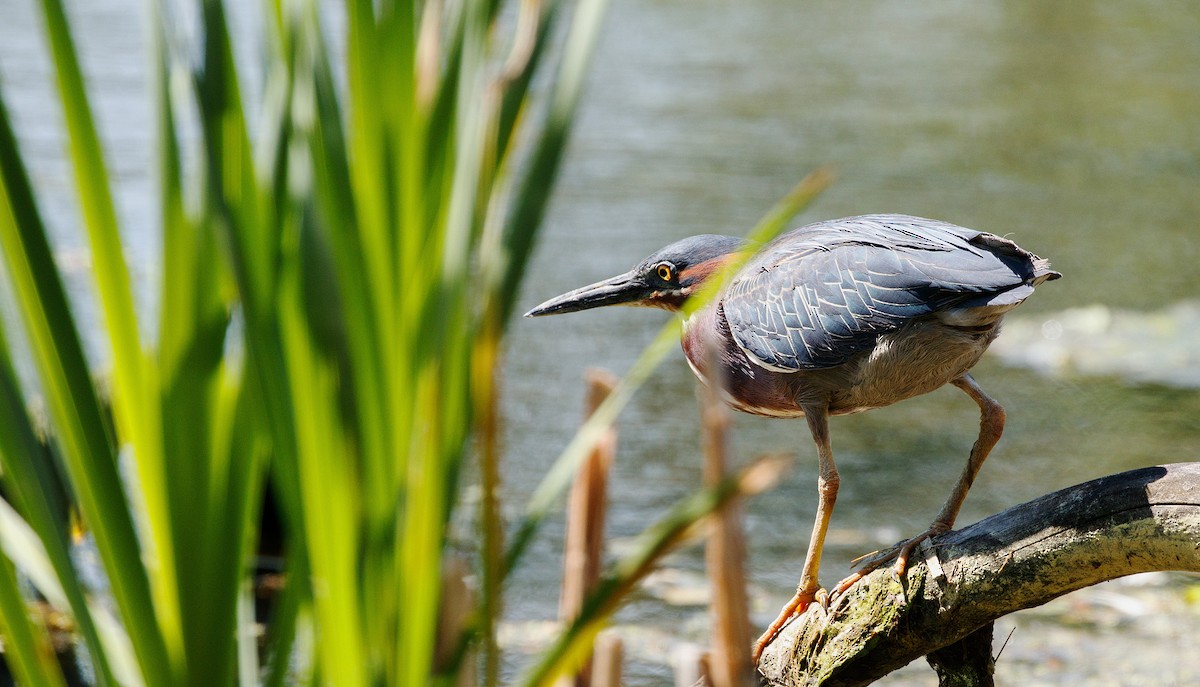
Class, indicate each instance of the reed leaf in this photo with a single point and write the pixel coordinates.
(22, 547)
(74, 408)
(29, 646)
(35, 488)
(338, 275)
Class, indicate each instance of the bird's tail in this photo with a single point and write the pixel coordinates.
(1041, 270)
(1005, 247)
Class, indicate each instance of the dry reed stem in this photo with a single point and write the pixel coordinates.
(725, 555)
(456, 605)
(606, 662)
(691, 663)
(585, 519)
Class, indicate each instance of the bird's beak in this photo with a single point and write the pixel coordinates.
(623, 289)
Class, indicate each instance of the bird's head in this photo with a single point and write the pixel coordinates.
(663, 280)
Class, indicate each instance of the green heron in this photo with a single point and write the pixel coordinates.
(838, 317)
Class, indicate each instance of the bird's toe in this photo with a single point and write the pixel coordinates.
(795, 607)
(900, 553)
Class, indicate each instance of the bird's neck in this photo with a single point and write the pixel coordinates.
(698, 338)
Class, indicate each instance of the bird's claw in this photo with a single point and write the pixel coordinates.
(846, 583)
(796, 607)
(821, 598)
(867, 563)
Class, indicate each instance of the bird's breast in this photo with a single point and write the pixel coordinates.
(750, 388)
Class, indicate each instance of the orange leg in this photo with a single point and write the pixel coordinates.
(991, 426)
(809, 589)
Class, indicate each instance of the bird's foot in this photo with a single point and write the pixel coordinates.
(867, 563)
(797, 606)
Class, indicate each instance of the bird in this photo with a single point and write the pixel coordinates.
(837, 317)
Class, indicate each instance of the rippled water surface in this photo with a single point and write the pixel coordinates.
(1070, 127)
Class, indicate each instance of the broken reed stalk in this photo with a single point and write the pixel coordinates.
(725, 555)
(456, 605)
(691, 662)
(585, 519)
(606, 660)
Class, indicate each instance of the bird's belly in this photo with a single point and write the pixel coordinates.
(910, 362)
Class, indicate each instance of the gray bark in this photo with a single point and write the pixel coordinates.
(1138, 521)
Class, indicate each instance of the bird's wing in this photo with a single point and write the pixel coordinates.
(821, 293)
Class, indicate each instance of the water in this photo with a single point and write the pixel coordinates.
(1070, 127)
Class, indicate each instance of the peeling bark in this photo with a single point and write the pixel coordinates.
(1138, 521)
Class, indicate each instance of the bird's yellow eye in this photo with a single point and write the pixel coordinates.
(665, 272)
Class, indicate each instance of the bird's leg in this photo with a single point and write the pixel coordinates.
(991, 426)
(809, 589)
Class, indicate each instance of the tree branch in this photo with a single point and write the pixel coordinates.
(1132, 522)
(967, 662)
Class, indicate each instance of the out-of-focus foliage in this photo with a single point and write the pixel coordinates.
(337, 275)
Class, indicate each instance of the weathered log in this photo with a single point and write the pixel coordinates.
(1137, 521)
(967, 662)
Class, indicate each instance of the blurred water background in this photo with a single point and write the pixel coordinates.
(1070, 127)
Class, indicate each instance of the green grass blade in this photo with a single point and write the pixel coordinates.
(335, 246)
(192, 286)
(235, 501)
(72, 401)
(39, 494)
(235, 201)
(326, 486)
(405, 124)
(369, 171)
(135, 394)
(532, 42)
(247, 661)
(443, 329)
(96, 203)
(216, 492)
(368, 355)
(27, 649)
(22, 546)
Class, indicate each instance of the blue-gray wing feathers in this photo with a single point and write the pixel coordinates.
(823, 292)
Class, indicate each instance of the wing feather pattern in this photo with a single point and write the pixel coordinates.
(823, 292)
